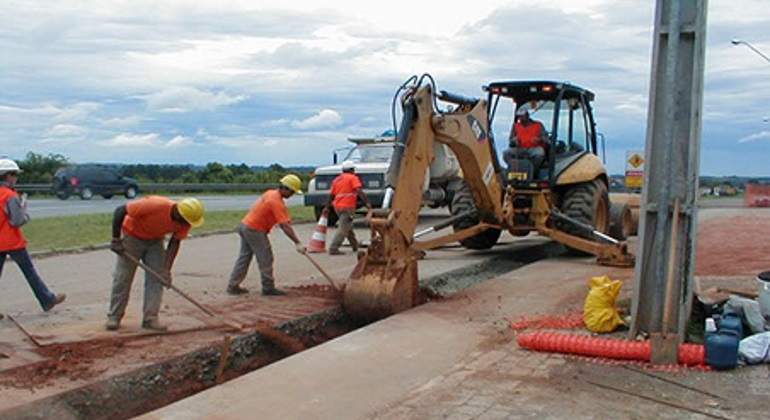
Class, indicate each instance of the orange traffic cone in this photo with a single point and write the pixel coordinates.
(318, 240)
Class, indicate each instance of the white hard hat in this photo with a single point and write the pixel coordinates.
(348, 165)
(7, 165)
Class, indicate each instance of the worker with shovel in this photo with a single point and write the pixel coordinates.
(144, 224)
(269, 210)
(13, 214)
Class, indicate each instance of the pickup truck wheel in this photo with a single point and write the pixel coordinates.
(461, 203)
(130, 192)
(86, 193)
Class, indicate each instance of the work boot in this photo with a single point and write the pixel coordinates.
(112, 324)
(336, 252)
(236, 290)
(273, 292)
(59, 298)
(154, 325)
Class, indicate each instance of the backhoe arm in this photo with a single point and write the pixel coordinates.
(385, 279)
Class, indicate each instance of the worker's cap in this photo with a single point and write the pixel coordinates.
(348, 165)
(191, 210)
(522, 111)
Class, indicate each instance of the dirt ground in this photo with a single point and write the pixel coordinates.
(733, 246)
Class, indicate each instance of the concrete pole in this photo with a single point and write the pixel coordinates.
(664, 268)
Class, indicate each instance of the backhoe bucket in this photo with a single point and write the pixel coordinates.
(378, 290)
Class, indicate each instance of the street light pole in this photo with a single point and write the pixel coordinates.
(740, 41)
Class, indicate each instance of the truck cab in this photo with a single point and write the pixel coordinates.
(372, 156)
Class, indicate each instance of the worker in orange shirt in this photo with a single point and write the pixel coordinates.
(144, 224)
(344, 195)
(269, 210)
(527, 141)
(13, 215)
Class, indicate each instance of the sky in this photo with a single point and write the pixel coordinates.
(265, 81)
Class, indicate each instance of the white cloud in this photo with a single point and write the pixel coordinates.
(326, 118)
(762, 135)
(134, 140)
(65, 130)
(185, 99)
(122, 122)
(179, 141)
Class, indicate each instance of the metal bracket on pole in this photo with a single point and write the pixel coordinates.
(667, 234)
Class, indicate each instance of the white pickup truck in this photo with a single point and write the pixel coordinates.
(371, 156)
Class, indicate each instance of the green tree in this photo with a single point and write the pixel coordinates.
(39, 169)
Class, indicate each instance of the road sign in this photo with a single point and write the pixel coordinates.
(634, 169)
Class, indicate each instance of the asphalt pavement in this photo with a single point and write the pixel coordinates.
(50, 207)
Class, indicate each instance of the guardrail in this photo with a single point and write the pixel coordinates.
(152, 187)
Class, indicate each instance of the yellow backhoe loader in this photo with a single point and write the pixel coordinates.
(564, 196)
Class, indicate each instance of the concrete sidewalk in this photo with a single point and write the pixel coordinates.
(457, 359)
(383, 369)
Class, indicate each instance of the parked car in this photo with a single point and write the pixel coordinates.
(89, 180)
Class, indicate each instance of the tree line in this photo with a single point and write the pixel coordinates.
(40, 169)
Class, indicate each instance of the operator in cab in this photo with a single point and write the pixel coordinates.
(527, 141)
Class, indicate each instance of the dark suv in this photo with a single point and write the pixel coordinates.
(87, 180)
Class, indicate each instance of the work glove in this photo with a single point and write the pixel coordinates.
(301, 248)
(117, 246)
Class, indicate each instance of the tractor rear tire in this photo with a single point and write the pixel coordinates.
(462, 201)
(620, 221)
(587, 202)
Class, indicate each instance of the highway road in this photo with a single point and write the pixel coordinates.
(49, 207)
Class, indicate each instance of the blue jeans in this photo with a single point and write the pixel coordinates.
(21, 256)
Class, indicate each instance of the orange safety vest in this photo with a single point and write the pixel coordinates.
(11, 238)
(526, 134)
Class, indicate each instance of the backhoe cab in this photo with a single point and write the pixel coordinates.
(565, 197)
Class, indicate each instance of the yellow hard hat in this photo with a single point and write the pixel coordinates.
(292, 182)
(191, 210)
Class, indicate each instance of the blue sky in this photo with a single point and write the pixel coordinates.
(263, 81)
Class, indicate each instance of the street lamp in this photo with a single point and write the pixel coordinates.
(740, 41)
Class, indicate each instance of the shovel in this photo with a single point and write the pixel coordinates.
(166, 283)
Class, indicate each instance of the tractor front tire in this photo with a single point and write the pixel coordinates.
(589, 203)
(462, 201)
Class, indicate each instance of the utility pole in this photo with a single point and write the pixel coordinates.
(664, 268)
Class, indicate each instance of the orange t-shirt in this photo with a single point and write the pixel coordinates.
(269, 210)
(149, 218)
(344, 188)
(528, 135)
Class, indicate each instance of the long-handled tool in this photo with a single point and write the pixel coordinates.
(325, 274)
(25, 332)
(166, 283)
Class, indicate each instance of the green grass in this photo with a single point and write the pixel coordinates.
(66, 232)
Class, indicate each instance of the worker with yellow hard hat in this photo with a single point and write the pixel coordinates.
(144, 224)
(267, 211)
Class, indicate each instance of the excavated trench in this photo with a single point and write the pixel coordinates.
(154, 386)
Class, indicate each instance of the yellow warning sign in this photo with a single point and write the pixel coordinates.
(634, 169)
(635, 160)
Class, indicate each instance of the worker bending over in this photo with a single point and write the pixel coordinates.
(267, 211)
(345, 192)
(144, 224)
(13, 215)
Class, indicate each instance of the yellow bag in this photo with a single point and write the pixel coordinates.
(599, 313)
